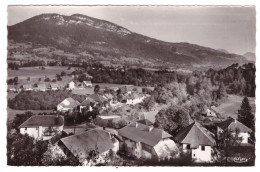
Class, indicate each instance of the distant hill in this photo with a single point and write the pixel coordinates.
(250, 56)
(79, 33)
(223, 50)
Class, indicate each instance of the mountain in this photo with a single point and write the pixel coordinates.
(223, 50)
(79, 33)
(250, 56)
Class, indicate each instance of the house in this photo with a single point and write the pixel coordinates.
(106, 121)
(98, 98)
(27, 87)
(71, 85)
(86, 84)
(41, 87)
(211, 113)
(109, 97)
(87, 104)
(82, 145)
(13, 88)
(54, 86)
(67, 104)
(147, 142)
(197, 141)
(42, 126)
(126, 89)
(233, 126)
(134, 98)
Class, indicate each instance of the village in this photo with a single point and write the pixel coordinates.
(121, 127)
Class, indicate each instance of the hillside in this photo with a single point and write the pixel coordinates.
(250, 56)
(79, 33)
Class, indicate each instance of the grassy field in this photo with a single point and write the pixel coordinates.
(12, 112)
(231, 106)
(35, 72)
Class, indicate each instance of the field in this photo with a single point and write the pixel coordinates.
(231, 106)
(12, 112)
(35, 72)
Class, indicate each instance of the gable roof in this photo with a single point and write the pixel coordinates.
(69, 103)
(80, 145)
(232, 124)
(43, 120)
(87, 82)
(54, 85)
(27, 86)
(108, 96)
(98, 98)
(140, 133)
(87, 102)
(41, 86)
(145, 122)
(195, 135)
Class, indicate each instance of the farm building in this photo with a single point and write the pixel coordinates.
(233, 126)
(87, 104)
(106, 121)
(146, 142)
(42, 126)
(98, 98)
(71, 85)
(54, 86)
(86, 84)
(197, 141)
(41, 87)
(27, 87)
(67, 104)
(134, 98)
(211, 113)
(80, 145)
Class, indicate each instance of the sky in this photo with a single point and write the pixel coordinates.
(229, 28)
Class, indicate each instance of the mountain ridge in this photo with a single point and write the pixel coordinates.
(78, 33)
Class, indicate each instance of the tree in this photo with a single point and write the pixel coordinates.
(22, 150)
(172, 119)
(97, 89)
(245, 115)
(21, 118)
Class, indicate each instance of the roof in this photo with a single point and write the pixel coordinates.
(54, 85)
(98, 98)
(214, 108)
(80, 145)
(140, 133)
(108, 96)
(40, 86)
(232, 125)
(108, 117)
(195, 135)
(27, 86)
(145, 122)
(87, 82)
(43, 120)
(69, 103)
(87, 102)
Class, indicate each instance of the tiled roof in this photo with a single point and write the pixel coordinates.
(80, 145)
(195, 135)
(87, 102)
(69, 103)
(27, 86)
(98, 98)
(232, 125)
(54, 85)
(140, 133)
(43, 120)
(41, 86)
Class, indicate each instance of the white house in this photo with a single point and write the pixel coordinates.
(41, 87)
(27, 87)
(54, 86)
(71, 85)
(67, 104)
(80, 145)
(134, 99)
(146, 142)
(233, 126)
(86, 84)
(197, 141)
(42, 127)
(211, 113)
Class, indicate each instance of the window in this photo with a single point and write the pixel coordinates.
(25, 129)
(203, 148)
(188, 146)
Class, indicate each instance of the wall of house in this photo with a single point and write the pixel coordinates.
(210, 113)
(201, 155)
(244, 137)
(134, 148)
(61, 108)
